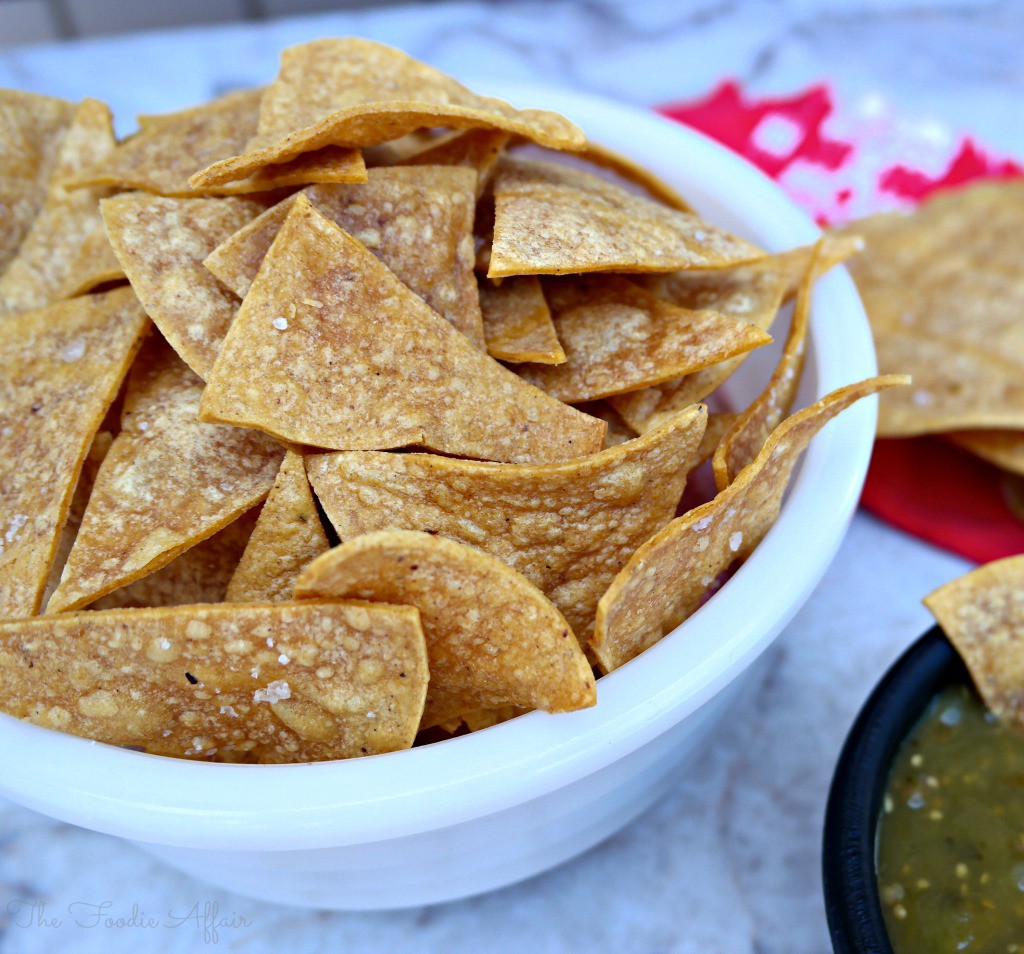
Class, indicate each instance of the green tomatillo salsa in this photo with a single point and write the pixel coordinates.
(951, 834)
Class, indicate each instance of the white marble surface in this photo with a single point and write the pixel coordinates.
(730, 861)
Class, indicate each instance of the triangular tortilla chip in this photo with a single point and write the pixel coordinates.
(477, 149)
(568, 528)
(752, 428)
(287, 682)
(161, 243)
(167, 483)
(982, 613)
(517, 321)
(60, 368)
(493, 639)
(287, 538)
(169, 148)
(352, 92)
(1005, 449)
(37, 274)
(32, 128)
(329, 349)
(552, 220)
(200, 575)
(750, 293)
(667, 578)
(619, 338)
(418, 222)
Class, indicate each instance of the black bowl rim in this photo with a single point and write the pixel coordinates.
(852, 903)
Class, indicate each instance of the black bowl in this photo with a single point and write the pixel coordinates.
(852, 904)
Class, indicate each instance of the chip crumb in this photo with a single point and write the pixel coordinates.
(281, 324)
(274, 693)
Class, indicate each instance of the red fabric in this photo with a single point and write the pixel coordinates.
(924, 486)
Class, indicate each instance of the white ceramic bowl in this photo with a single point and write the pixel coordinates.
(478, 812)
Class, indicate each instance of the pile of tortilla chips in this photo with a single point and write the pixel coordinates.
(348, 309)
(944, 292)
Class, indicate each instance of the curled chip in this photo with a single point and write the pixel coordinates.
(618, 338)
(288, 536)
(167, 483)
(493, 639)
(352, 92)
(161, 243)
(287, 682)
(60, 369)
(568, 527)
(329, 349)
(169, 148)
(417, 221)
(751, 293)
(982, 613)
(37, 274)
(746, 437)
(552, 220)
(517, 322)
(668, 576)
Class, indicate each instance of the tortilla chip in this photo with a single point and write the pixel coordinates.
(169, 148)
(956, 387)
(32, 128)
(329, 349)
(568, 528)
(200, 575)
(417, 221)
(161, 243)
(288, 682)
(351, 92)
(36, 275)
(476, 149)
(552, 219)
(752, 428)
(493, 639)
(167, 483)
(752, 293)
(1005, 449)
(982, 613)
(625, 168)
(667, 578)
(618, 338)
(287, 538)
(517, 322)
(60, 368)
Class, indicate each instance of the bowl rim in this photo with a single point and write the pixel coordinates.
(280, 807)
(853, 906)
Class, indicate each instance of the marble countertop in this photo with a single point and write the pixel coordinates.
(729, 862)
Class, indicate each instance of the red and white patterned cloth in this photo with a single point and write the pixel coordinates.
(840, 164)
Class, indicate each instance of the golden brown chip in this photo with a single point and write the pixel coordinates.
(517, 321)
(751, 429)
(200, 575)
(161, 243)
(329, 349)
(552, 219)
(568, 528)
(957, 386)
(32, 128)
(1005, 449)
(668, 576)
(352, 92)
(750, 293)
(287, 537)
(493, 639)
(167, 483)
(283, 682)
(169, 148)
(477, 149)
(37, 274)
(60, 368)
(417, 221)
(619, 338)
(982, 613)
